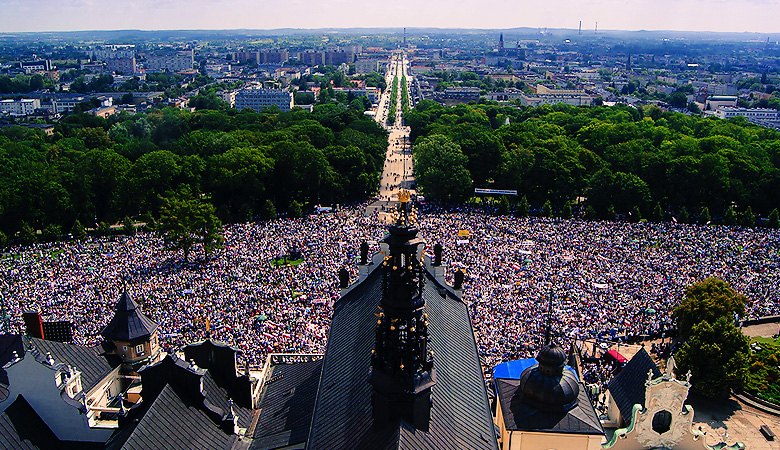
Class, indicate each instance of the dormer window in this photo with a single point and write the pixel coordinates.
(139, 349)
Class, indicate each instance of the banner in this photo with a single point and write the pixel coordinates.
(495, 192)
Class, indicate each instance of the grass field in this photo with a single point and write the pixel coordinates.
(278, 262)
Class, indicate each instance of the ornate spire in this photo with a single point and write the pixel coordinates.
(401, 365)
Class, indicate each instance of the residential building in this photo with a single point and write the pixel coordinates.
(22, 107)
(368, 65)
(312, 57)
(124, 65)
(259, 99)
(716, 102)
(251, 58)
(176, 61)
(38, 65)
(760, 116)
(274, 56)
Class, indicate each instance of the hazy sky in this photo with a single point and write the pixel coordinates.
(695, 15)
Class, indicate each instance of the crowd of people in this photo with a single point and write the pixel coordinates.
(604, 280)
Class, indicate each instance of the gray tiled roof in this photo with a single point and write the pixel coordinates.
(460, 416)
(628, 387)
(287, 405)
(87, 360)
(128, 323)
(518, 415)
(173, 422)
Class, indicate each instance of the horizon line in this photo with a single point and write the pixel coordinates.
(589, 31)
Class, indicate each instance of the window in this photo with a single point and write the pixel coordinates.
(662, 421)
(139, 349)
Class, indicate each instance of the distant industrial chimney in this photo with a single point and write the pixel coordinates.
(579, 30)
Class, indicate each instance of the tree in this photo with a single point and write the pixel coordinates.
(636, 214)
(683, 216)
(52, 232)
(296, 209)
(269, 210)
(774, 219)
(187, 221)
(658, 214)
(3, 239)
(523, 207)
(78, 231)
(704, 216)
(27, 234)
(707, 300)
(717, 355)
(128, 227)
(566, 211)
(730, 217)
(440, 168)
(547, 209)
(748, 218)
(590, 213)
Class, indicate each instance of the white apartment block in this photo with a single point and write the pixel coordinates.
(259, 99)
(23, 107)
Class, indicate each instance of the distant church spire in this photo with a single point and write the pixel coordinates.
(501, 42)
(402, 372)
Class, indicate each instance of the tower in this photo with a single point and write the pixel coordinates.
(579, 30)
(402, 372)
(501, 43)
(404, 37)
(132, 334)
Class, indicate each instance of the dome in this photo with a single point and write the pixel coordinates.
(547, 386)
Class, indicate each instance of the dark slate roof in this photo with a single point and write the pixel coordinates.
(173, 422)
(21, 428)
(128, 323)
(88, 360)
(219, 396)
(287, 405)
(35, 379)
(10, 343)
(518, 415)
(460, 416)
(628, 387)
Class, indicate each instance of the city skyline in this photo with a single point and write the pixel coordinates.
(685, 15)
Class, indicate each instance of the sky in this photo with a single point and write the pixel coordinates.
(761, 16)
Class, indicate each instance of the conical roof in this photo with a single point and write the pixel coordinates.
(128, 323)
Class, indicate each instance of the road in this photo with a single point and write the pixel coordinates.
(398, 171)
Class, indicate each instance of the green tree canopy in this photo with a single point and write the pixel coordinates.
(707, 301)
(717, 355)
(187, 221)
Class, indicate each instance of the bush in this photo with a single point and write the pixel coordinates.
(774, 219)
(547, 209)
(78, 231)
(296, 209)
(103, 229)
(27, 235)
(704, 216)
(748, 218)
(128, 227)
(523, 207)
(3, 239)
(269, 210)
(658, 214)
(52, 232)
(566, 212)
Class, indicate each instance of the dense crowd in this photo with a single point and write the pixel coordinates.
(607, 280)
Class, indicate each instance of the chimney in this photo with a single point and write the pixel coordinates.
(33, 323)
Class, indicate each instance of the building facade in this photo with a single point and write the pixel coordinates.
(259, 99)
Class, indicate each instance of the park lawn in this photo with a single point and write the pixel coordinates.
(763, 377)
(278, 262)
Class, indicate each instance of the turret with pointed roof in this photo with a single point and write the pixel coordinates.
(133, 334)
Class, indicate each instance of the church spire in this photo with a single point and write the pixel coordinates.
(402, 372)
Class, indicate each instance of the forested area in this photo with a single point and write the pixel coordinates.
(636, 163)
(246, 164)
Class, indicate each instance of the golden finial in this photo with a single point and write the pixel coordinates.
(404, 196)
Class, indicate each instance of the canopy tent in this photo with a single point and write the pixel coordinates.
(513, 369)
(615, 356)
